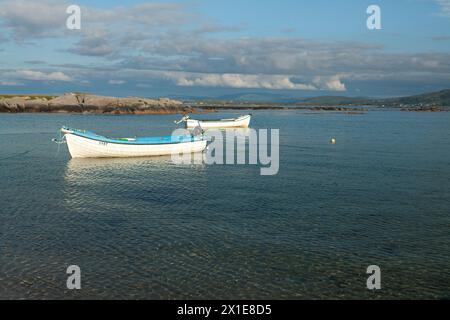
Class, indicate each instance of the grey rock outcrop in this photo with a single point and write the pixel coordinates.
(79, 102)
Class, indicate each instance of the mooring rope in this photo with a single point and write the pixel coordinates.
(59, 142)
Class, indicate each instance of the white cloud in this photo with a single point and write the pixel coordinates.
(270, 82)
(175, 45)
(241, 81)
(10, 83)
(34, 18)
(148, 14)
(116, 82)
(445, 6)
(47, 18)
(95, 43)
(332, 83)
(40, 76)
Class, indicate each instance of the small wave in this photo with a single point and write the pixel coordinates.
(16, 155)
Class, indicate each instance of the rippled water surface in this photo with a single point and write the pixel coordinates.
(148, 228)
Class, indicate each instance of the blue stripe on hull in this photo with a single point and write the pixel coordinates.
(134, 141)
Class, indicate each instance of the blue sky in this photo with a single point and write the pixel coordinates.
(219, 48)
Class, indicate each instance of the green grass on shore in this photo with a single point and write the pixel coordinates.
(31, 96)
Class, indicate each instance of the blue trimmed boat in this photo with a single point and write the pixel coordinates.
(85, 144)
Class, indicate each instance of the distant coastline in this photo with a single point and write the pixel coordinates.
(95, 104)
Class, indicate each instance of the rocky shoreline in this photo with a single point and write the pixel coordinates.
(94, 104)
(424, 109)
(88, 103)
(264, 106)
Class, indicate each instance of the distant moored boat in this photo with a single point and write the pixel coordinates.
(241, 122)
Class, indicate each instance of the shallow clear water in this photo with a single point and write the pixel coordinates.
(148, 228)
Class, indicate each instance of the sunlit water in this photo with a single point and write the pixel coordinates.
(148, 228)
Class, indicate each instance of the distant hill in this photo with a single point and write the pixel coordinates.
(258, 97)
(440, 99)
(426, 100)
(434, 101)
(80, 102)
(336, 100)
(437, 99)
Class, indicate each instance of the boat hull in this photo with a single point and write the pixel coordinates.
(242, 122)
(81, 147)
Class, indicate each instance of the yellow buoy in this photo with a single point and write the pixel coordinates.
(333, 141)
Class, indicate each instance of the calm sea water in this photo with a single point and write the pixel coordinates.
(147, 228)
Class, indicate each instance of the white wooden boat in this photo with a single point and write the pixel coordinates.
(241, 122)
(85, 144)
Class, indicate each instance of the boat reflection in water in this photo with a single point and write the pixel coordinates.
(129, 184)
(83, 166)
(138, 185)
